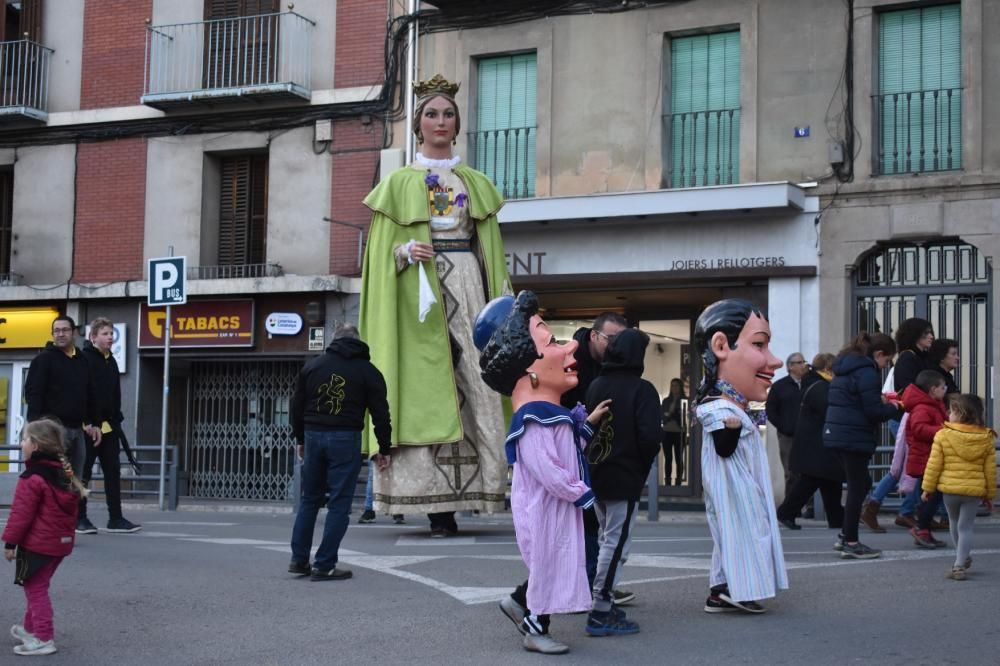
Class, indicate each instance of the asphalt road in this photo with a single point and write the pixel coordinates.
(209, 587)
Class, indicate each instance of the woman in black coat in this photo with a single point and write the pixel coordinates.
(855, 408)
(913, 340)
(816, 467)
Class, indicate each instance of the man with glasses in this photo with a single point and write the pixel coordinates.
(783, 403)
(61, 385)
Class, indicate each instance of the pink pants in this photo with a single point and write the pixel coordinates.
(38, 616)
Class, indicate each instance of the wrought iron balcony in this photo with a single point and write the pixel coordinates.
(233, 271)
(919, 131)
(265, 56)
(507, 156)
(24, 80)
(701, 148)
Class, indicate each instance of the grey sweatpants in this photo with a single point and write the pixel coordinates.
(961, 515)
(616, 520)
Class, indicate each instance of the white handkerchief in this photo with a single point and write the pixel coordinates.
(427, 298)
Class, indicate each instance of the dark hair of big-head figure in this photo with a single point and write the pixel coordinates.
(728, 316)
(511, 350)
(910, 331)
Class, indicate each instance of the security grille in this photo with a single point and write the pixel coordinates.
(947, 284)
(241, 444)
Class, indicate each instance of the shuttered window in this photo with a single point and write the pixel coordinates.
(503, 142)
(243, 211)
(919, 99)
(241, 39)
(702, 125)
(6, 220)
(21, 19)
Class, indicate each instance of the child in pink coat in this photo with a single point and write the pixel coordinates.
(41, 529)
(521, 358)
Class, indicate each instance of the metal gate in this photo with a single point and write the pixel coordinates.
(948, 284)
(241, 444)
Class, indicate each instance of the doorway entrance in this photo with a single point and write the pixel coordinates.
(13, 409)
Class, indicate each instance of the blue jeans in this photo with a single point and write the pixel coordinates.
(889, 484)
(369, 492)
(331, 464)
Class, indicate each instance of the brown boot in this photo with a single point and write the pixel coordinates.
(906, 520)
(869, 516)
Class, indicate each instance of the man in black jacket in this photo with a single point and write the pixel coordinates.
(328, 414)
(60, 384)
(782, 407)
(593, 343)
(620, 456)
(105, 373)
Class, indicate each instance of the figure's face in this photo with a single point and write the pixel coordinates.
(437, 124)
(103, 338)
(556, 369)
(600, 339)
(62, 334)
(750, 367)
(924, 343)
(797, 367)
(951, 359)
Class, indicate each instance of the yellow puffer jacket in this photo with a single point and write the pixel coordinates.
(963, 461)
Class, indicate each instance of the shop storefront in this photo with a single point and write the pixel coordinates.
(659, 258)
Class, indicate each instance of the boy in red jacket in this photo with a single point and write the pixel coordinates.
(924, 401)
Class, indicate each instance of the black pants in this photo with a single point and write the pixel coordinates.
(673, 451)
(108, 453)
(926, 510)
(444, 519)
(802, 489)
(859, 482)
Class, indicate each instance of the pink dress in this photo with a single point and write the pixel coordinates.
(547, 496)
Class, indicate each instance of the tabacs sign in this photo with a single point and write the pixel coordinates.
(199, 324)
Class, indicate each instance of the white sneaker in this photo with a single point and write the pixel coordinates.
(544, 643)
(20, 633)
(32, 647)
(514, 611)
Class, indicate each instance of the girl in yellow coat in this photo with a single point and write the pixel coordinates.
(963, 467)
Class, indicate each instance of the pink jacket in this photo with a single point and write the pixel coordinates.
(898, 467)
(546, 496)
(42, 517)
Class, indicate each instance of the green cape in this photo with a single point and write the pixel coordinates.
(415, 358)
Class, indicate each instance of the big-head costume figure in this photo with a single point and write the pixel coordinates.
(733, 338)
(521, 358)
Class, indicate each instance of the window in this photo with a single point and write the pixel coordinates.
(919, 100)
(503, 143)
(6, 221)
(21, 19)
(241, 39)
(702, 127)
(243, 211)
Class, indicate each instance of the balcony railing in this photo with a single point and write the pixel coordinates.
(24, 79)
(702, 148)
(233, 271)
(507, 156)
(259, 56)
(919, 131)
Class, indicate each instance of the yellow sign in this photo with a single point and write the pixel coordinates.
(29, 328)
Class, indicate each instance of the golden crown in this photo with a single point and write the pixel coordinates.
(438, 85)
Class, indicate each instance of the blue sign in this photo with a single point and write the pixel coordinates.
(801, 132)
(167, 281)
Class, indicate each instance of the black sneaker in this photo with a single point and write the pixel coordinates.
(299, 568)
(122, 526)
(746, 606)
(622, 597)
(610, 623)
(84, 526)
(715, 604)
(859, 551)
(437, 532)
(790, 523)
(331, 574)
(839, 543)
(399, 519)
(367, 517)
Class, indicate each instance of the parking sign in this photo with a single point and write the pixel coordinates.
(167, 281)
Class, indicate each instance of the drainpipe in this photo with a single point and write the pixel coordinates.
(411, 77)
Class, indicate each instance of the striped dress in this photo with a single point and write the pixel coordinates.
(740, 506)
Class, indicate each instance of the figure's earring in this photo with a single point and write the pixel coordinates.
(533, 378)
(454, 142)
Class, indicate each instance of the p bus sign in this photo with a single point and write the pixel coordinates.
(167, 281)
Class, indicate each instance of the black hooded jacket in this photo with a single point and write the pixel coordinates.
(334, 390)
(105, 374)
(61, 386)
(628, 439)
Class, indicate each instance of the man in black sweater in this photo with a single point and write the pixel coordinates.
(328, 414)
(783, 403)
(61, 385)
(105, 374)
